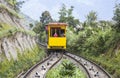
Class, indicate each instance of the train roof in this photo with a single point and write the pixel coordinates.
(57, 24)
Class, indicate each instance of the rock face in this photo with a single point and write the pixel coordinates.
(11, 46)
(19, 43)
(9, 16)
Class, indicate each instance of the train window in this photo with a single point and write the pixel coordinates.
(54, 32)
(57, 32)
(62, 34)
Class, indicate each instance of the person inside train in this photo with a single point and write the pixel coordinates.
(62, 33)
(55, 34)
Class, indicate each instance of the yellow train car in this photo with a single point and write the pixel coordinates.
(56, 33)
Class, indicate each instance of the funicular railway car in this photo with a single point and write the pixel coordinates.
(56, 36)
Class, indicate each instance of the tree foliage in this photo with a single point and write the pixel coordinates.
(98, 41)
(67, 17)
(10, 69)
(63, 14)
(116, 17)
(40, 26)
(16, 4)
(91, 18)
(45, 18)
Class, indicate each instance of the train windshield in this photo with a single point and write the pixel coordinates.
(57, 32)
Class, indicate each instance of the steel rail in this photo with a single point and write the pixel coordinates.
(86, 71)
(93, 63)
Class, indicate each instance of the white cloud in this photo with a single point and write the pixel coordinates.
(86, 2)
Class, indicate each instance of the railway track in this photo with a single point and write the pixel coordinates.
(40, 69)
(79, 64)
(92, 69)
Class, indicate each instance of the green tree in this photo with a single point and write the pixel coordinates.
(67, 17)
(16, 4)
(116, 17)
(71, 19)
(45, 18)
(91, 25)
(31, 25)
(38, 27)
(63, 13)
(103, 25)
(91, 18)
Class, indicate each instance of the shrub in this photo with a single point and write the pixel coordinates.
(10, 69)
(64, 71)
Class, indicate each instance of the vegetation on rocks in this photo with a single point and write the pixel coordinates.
(16, 4)
(10, 69)
(7, 30)
(10, 11)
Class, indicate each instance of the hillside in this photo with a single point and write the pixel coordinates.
(28, 21)
(102, 47)
(13, 31)
(18, 47)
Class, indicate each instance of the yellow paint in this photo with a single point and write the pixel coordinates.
(59, 42)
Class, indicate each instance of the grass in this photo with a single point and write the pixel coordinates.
(7, 30)
(11, 2)
(102, 48)
(56, 72)
(10, 69)
(110, 64)
(32, 33)
(12, 12)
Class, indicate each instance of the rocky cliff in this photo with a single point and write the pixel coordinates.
(17, 42)
(8, 15)
(10, 46)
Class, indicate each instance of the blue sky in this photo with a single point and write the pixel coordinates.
(104, 8)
